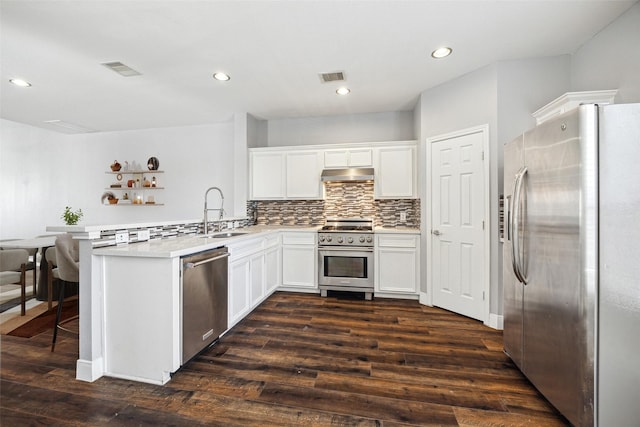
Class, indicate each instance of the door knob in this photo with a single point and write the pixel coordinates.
(436, 232)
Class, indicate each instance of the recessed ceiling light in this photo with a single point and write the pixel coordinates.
(343, 91)
(221, 76)
(20, 82)
(441, 52)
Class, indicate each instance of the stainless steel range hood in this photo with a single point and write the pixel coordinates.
(347, 174)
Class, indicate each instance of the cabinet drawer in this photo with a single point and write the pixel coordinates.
(397, 241)
(272, 240)
(292, 238)
(247, 247)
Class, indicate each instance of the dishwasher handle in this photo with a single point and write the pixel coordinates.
(205, 261)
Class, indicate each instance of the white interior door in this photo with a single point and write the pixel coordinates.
(458, 258)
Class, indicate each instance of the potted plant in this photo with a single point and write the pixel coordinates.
(70, 217)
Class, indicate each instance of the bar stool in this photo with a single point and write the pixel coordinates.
(68, 272)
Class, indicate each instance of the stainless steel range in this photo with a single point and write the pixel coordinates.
(345, 256)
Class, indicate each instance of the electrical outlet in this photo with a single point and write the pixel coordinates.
(143, 235)
(403, 216)
(122, 237)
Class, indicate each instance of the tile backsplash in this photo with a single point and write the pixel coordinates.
(345, 200)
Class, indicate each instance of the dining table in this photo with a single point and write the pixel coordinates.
(40, 243)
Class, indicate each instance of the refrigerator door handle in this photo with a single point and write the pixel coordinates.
(510, 227)
(507, 218)
(518, 267)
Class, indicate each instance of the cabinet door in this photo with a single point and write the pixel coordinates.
(361, 158)
(299, 266)
(397, 268)
(348, 158)
(239, 293)
(267, 172)
(303, 175)
(257, 279)
(395, 173)
(336, 159)
(272, 269)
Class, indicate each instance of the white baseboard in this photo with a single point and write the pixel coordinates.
(89, 370)
(423, 299)
(496, 321)
(395, 296)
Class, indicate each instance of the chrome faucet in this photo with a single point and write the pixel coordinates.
(206, 210)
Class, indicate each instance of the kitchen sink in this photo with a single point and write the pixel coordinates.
(224, 235)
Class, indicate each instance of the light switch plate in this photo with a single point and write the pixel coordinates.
(122, 237)
(403, 216)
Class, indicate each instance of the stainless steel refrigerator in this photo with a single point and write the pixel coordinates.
(572, 262)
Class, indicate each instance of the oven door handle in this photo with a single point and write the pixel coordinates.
(345, 249)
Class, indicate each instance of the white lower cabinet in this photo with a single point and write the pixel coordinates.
(273, 264)
(397, 264)
(257, 283)
(239, 292)
(299, 261)
(254, 274)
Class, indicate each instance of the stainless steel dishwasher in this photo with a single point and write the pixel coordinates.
(204, 300)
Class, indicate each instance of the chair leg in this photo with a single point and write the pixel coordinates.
(35, 275)
(50, 286)
(23, 290)
(61, 284)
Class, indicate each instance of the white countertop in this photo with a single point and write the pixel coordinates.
(185, 245)
(397, 230)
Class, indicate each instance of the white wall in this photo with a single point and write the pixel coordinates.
(373, 127)
(611, 60)
(32, 188)
(43, 171)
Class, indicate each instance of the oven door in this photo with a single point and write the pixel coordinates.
(345, 267)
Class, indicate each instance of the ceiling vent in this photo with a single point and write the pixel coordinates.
(67, 127)
(336, 76)
(121, 69)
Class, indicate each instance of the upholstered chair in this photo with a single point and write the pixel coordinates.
(67, 258)
(13, 264)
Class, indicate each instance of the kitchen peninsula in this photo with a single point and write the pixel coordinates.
(130, 294)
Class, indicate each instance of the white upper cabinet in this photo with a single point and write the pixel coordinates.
(267, 175)
(395, 172)
(295, 172)
(348, 158)
(303, 175)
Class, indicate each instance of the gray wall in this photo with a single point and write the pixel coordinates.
(505, 94)
(502, 95)
(373, 127)
(465, 102)
(611, 60)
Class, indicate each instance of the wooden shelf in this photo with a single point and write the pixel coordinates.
(138, 174)
(133, 172)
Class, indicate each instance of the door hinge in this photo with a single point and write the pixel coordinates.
(483, 155)
(482, 295)
(483, 225)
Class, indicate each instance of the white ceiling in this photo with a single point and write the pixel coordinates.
(273, 51)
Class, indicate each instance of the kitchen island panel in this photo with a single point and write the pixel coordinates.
(142, 318)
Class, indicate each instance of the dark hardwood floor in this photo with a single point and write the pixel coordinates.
(296, 360)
